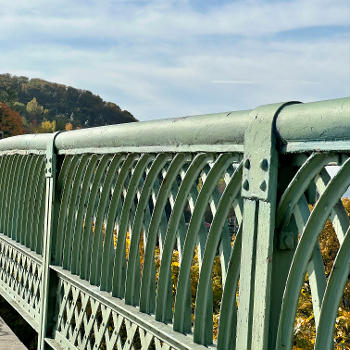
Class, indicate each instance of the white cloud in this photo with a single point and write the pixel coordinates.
(166, 58)
(168, 20)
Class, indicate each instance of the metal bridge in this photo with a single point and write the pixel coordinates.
(102, 228)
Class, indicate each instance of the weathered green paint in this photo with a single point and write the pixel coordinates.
(164, 182)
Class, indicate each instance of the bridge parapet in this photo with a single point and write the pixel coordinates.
(184, 233)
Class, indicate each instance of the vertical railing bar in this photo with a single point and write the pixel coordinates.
(147, 296)
(71, 208)
(38, 193)
(119, 265)
(39, 172)
(63, 207)
(20, 227)
(3, 169)
(108, 248)
(315, 268)
(203, 329)
(19, 199)
(79, 222)
(163, 302)
(40, 210)
(12, 190)
(27, 223)
(228, 310)
(61, 180)
(4, 205)
(225, 244)
(96, 252)
(24, 227)
(132, 288)
(85, 263)
(182, 313)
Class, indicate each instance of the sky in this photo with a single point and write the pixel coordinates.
(167, 58)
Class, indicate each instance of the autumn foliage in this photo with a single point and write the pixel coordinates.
(10, 121)
(304, 327)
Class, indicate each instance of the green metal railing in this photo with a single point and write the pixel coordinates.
(103, 230)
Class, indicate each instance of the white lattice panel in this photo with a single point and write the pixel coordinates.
(86, 323)
(20, 278)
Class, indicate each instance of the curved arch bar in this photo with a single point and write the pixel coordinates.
(79, 221)
(68, 231)
(315, 267)
(120, 257)
(318, 217)
(87, 233)
(40, 211)
(332, 297)
(132, 285)
(182, 320)
(299, 184)
(339, 216)
(13, 186)
(27, 215)
(228, 310)
(203, 316)
(96, 254)
(108, 247)
(163, 304)
(68, 170)
(146, 296)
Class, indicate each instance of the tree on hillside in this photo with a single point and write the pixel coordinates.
(10, 121)
(35, 110)
(46, 127)
(38, 100)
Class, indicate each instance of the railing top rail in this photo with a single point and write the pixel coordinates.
(323, 125)
(27, 142)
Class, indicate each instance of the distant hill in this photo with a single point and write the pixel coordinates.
(40, 102)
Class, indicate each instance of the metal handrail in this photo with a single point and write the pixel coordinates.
(70, 202)
(298, 127)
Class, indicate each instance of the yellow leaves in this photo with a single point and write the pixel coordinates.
(304, 326)
(46, 126)
(68, 126)
(343, 320)
(34, 108)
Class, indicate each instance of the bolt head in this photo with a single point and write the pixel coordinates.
(289, 241)
(263, 186)
(245, 185)
(264, 164)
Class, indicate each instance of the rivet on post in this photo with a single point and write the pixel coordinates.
(264, 164)
(263, 185)
(287, 240)
(245, 185)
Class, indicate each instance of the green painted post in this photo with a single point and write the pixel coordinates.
(46, 293)
(259, 189)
